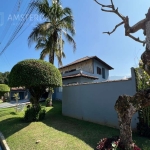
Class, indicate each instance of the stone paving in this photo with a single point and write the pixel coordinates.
(13, 103)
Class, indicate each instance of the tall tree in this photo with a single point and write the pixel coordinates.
(4, 77)
(49, 35)
(126, 106)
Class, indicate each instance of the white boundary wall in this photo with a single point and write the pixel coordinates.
(95, 102)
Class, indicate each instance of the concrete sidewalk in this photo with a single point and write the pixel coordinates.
(13, 103)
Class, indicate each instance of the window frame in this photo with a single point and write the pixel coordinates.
(103, 73)
(99, 70)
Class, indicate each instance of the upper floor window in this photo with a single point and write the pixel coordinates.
(103, 73)
(70, 70)
(98, 70)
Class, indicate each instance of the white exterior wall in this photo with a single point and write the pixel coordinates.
(95, 101)
(100, 65)
(85, 66)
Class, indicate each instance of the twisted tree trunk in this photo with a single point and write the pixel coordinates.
(36, 93)
(126, 107)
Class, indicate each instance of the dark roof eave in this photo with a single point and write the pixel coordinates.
(93, 57)
(79, 75)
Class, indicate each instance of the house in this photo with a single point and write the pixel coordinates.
(84, 70)
(23, 93)
(87, 69)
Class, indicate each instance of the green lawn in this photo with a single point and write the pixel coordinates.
(1, 101)
(55, 132)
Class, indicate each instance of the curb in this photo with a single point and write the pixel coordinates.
(3, 142)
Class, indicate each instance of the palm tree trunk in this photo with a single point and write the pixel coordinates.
(51, 57)
(51, 60)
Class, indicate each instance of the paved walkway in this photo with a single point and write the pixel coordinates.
(13, 103)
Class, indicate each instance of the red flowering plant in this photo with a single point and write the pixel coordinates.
(112, 144)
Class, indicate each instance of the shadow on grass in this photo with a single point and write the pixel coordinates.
(88, 132)
(12, 125)
(13, 113)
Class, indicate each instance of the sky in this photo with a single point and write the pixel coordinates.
(117, 50)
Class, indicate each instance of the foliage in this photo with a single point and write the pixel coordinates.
(16, 96)
(49, 34)
(55, 127)
(48, 100)
(143, 82)
(36, 75)
(142, 79)
(112, 144)
(4, 77)
(4, 89)
(31, 100)
(34, 113)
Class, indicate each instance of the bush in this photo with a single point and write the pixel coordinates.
(4, 89)
(35, 75)
(143, 82)
(34, 113)
(112, 144)
(48, 102)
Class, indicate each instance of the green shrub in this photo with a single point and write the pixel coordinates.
(31, 100)
(35, 75)
(42, 114)
(34, 113)
(142, 83)
(48, 101)
(4, 89)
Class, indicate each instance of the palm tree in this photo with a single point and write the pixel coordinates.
(49, 35)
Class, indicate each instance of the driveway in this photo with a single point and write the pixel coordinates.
(13, 103)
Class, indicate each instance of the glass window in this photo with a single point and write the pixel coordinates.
(98, 70)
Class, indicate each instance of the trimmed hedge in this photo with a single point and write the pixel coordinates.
(4, 89)
(32, 73)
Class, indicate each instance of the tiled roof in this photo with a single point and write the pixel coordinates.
(17, 88)
(107, 81)
(87, 58)
(79, 75)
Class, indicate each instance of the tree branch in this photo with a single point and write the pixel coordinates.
(125, 21)
(136, 39)
(109, 6)
(115, 28)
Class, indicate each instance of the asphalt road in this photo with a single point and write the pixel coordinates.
(12, 103)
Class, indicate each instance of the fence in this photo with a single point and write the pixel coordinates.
(95, 102)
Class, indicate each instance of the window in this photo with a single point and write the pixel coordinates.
(103, 73)
(70, 70)
(98, 70)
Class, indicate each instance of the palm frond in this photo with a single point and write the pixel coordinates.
(40, 29)
(48, 35)
(42, 8)
(69, 39)
(44, 53)
(67, 11)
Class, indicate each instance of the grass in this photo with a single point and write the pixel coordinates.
(55, 132)
(1, 101)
